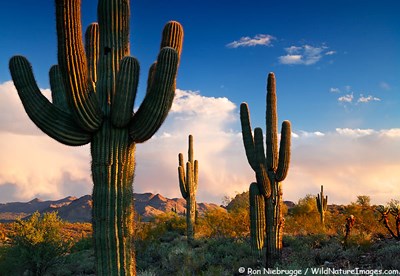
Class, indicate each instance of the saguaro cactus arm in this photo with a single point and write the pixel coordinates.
(50, 119)
(124, 98)
(154, 109)
(182, 177)
(257, 218)
(254, 147)
(92, 50)
(284, 152)
(81, 96)
(160, 85)
(247, 134)
(196, 174)
(58, 93)
(272, 124)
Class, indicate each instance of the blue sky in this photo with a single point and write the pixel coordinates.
(336, 63)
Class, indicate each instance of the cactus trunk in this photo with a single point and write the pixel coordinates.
(270, 167)
(191, 215)
(113, 165)
(274, 225)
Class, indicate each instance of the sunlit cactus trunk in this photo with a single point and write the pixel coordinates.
(94, 88)
(188, 185)
(113, 163)
(270, 166)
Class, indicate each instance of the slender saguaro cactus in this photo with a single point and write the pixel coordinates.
(94, 88)
(188, 186)
(270, 167)
(322, 205)
(257, 219)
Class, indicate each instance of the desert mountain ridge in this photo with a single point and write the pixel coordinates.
(73, 209)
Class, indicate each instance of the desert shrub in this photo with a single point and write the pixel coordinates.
(239, 202)
(85, 243)
(303, 218)
(388, 256)
(165, 226)
(298, 252)
(77, 263)
(37, 245)
(206, 257)
(222, 224)
(306, 205)
(330, 252)
(364, 201)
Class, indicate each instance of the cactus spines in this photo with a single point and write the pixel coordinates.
(188, 185)
(93, 89)
(257, 219)
(270, 166)
(322, 204)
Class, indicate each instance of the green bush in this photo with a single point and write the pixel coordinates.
(36, 247)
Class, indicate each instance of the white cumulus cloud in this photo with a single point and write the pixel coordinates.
(366, 99)
(346, 98)
(305, 54)
(246, 41)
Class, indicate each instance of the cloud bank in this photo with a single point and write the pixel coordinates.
(348, 162)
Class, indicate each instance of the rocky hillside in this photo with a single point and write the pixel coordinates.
(75, 209)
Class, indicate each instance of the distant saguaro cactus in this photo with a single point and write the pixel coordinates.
(322, 204)
(94, 88)
(188, 185)
(270, 167)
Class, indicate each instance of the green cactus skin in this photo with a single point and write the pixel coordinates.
(322, 205)
(188, 185)
(271, 168)
(257, 219)
(93, 91)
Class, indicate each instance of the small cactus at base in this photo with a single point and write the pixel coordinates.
(188, 183)
(322, 205)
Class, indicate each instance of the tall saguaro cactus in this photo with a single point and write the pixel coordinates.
(188, 185)
(322, 205)
(270, 166)
(94, 88)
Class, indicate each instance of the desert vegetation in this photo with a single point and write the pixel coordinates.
(45, 245)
